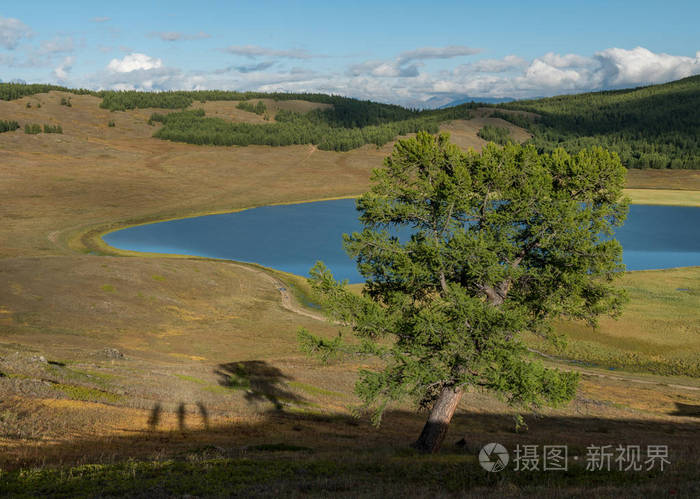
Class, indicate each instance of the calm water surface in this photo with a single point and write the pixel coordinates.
(293, 237)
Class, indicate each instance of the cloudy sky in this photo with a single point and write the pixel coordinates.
(407, 52)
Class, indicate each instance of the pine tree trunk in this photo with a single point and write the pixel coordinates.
(435, 428)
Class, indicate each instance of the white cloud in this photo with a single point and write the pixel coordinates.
(399, 82)
(12, 31)
(553, 74)
(565, 61)
(57, 45)
(383, 69)
(401, 67)
(508, 63)
(138, 71)
(157, 78)
(61, 72)
(539, 74)
(247, 68)
(176, 36)
(437, 53)
(101, 19)
(134, 62)
(8, 60)
(253, 51)
(620, 67)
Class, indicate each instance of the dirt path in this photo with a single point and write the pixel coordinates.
(312, 149)
(285, 295)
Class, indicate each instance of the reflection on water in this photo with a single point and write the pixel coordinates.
(293, 237)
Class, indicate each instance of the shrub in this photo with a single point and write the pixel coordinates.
(53, 129)
(32, 129)
(8, 126)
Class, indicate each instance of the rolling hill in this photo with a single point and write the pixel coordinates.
(649, 127)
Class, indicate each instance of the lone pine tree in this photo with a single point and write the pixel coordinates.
(502, 242)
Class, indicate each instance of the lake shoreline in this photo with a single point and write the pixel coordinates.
(292, 239)
(687, 199)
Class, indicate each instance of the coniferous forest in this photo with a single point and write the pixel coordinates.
(648, 127)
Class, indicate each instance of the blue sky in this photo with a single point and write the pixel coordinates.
(406, 52)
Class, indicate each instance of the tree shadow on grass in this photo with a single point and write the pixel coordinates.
(688, 410)
(260, 381)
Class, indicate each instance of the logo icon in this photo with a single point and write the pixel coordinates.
(493, 457)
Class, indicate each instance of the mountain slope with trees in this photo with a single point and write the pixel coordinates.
(649, 127)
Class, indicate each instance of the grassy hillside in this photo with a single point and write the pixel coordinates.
(649, 127)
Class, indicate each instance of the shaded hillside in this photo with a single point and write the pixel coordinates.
(649, 127)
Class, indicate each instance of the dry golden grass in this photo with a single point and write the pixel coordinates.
(685, 180)
(180, 322)
(664, 196)
(670, 187)
(463, 132)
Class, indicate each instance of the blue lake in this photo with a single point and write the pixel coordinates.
(292, 237)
